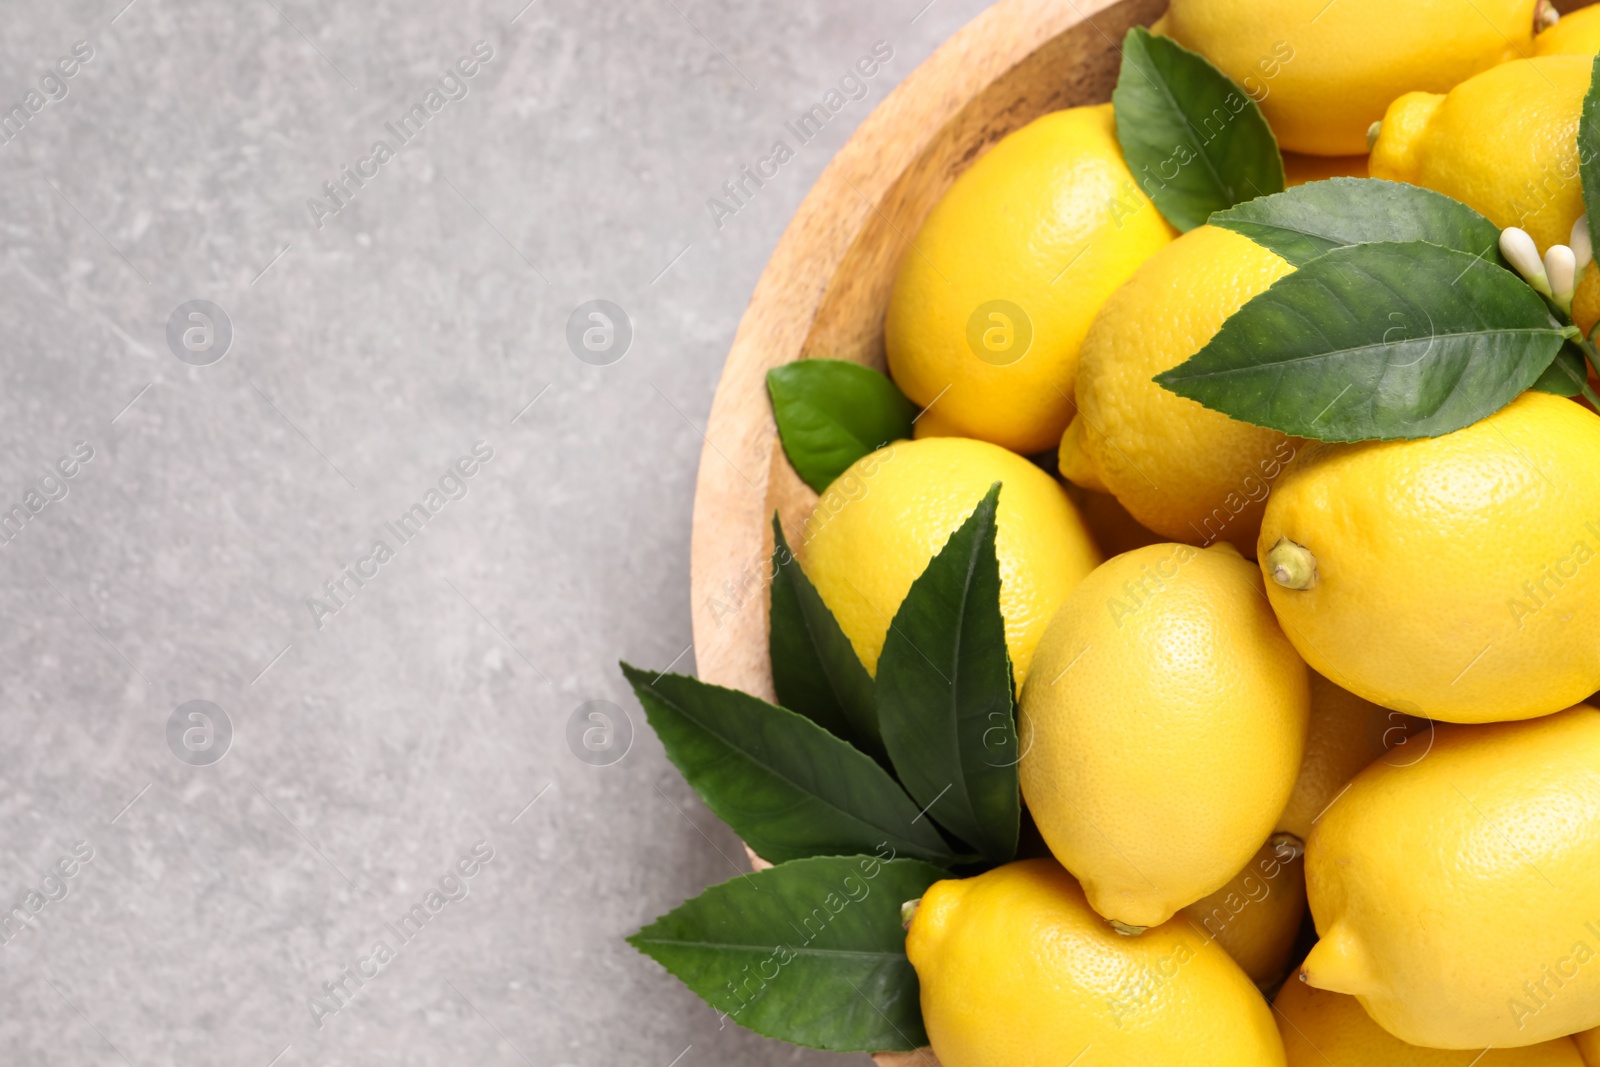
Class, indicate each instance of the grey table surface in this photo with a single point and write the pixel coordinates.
(193, 497)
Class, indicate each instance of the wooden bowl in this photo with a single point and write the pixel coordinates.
(826, 289)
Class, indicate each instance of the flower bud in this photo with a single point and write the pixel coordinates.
(1582, 246)
(1523, 255)
(1560, 266)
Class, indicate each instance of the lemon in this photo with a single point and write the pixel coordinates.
(1586, 300)
(1577, 34)
(1162, 726)
(1504, 142)
(997, 288)
(1346, 734)
(1017, 971)
(1183, 470)
(1255, 918)
(1588, 1043)
(1300, 169)
(1452, 578)
(1323, 72)
(875, 529)
(1321, 1029)
(932, 423)
(1112, 528)
(1456, 897)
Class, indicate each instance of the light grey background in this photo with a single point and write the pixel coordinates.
(430, 712)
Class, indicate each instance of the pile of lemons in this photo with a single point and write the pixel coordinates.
(1347, 679)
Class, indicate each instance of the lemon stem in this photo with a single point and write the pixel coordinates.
(1292, 566)
(1373, 133)
(908, 911)
(1125, 930)
(1546, 17)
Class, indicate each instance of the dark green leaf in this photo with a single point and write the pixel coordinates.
(787, 787)
(815, 670)
(945, 694)
(810, 952)
(832, 412)
(1376, 341)
(1308, 220)
(1589, 153)
(1195, 141)
(1566, 374)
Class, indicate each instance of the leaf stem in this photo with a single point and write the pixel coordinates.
(1591, 357)
(1591, 354)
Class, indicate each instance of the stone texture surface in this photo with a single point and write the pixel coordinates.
(378, 742)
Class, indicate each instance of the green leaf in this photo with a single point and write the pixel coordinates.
(1308, 220)
(787, 787)
(1376, 341)
(810, 952)
(1589, 153)
(945, 693)
(1567, 373)
(831, 412)
(1195, 141)
(815, 669)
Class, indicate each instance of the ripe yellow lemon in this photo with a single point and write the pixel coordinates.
(1255, 918)
(1588, 1044)
(1324, 72)
(1113, 529)
(875, 529)
(1162, 727)
(1577, 34)
(1586, 300)
(932, 423)
(1504, 142)
(997, 288)
(1456, 897)
(1300, 169)
(1321, 1028)
(1453, 578)
(1185, 471)
(1017, 971)
(1346, 734)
